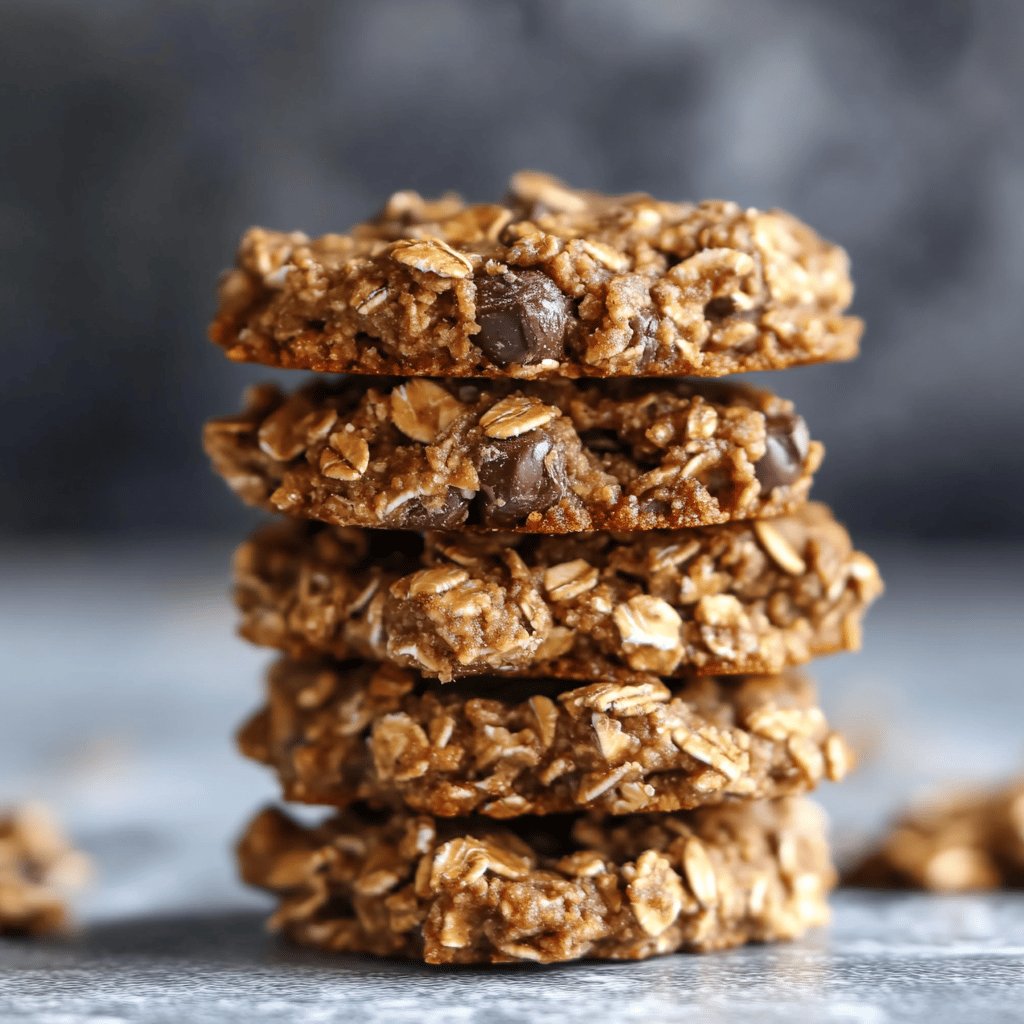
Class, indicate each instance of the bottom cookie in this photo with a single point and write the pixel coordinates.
(544, 890)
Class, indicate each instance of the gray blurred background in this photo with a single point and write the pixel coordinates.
(141, 138)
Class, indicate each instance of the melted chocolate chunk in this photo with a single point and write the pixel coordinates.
(785, 450)
(523, 317)
(432, 514)
(518, 476)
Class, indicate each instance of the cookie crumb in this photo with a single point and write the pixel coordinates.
(965, 841)
(39, 869)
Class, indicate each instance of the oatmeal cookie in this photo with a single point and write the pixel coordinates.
(460, 890)
(965, 841)
(552, 282)
(542, 457)
(337, 733)
(743, 598)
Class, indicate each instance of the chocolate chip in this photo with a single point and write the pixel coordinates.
(644, 325)
(433, 514)
(519, 475)
(523, 317)
(785, 450)
(718, 309)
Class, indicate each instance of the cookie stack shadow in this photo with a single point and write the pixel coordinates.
(539, 590)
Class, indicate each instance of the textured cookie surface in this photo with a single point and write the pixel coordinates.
(966, 841)
(742, 598)
(542, 457)
(544, 890)
(339, 733)
(554, 282)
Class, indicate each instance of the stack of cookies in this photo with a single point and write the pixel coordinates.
(538, 590)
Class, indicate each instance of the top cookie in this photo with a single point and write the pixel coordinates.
(553, 282)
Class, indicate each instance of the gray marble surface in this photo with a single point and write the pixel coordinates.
(122, 683)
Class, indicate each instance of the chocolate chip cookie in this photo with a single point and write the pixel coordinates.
(459, 891)
(743, 598)
(551, 282)
(536, 591)
(337, 733)
(544, 457)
